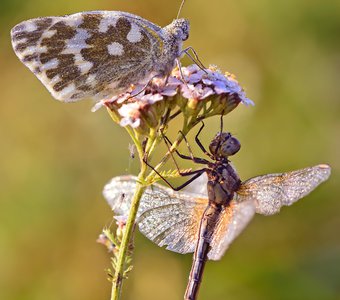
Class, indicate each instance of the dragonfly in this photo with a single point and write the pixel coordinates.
(206, 221)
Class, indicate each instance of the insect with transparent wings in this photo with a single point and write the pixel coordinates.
(207, 222)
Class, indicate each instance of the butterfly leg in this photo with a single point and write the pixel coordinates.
(143, 89)
(195, 59)
(179, 66)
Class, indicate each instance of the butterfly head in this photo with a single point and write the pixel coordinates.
(179, 28)
(224, 145)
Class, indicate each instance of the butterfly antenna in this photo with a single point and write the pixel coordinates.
(180, 9)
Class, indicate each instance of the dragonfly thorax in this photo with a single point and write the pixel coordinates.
(223, 181)
(224, 145)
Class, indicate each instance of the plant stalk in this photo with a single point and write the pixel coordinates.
(117, 281)
(128, 230)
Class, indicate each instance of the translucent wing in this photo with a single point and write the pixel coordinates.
(264, 195)
(271, 192)
(199, 185)
(234, 218)
(165, 217)
(90, 54)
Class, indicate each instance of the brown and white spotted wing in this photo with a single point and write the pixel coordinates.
(88, 55)
(264, 195)
(166, 217)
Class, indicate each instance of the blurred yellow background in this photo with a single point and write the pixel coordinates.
(56, 157)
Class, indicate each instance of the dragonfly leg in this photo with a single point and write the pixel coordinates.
(196, 173)
(198, 142)
(221, 130)
(193, 158)
(164, 120)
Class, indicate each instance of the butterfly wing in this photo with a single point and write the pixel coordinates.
(166, 217)
(87, 55)
(271, 192)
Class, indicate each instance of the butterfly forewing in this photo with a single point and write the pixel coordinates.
(271, 192)
(166, 217)
(89, 54)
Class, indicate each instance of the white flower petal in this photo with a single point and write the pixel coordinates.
(98, 105)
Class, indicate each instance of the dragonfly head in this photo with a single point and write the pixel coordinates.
(224, 145)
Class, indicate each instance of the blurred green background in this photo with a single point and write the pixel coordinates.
(56, 157)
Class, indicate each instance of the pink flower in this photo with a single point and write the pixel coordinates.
(192, 90)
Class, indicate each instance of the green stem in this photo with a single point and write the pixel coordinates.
(117, 281)
(136, 141)
(128, 230)
(152, 140)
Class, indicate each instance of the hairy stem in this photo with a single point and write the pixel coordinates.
(128, 230)
(117, 281)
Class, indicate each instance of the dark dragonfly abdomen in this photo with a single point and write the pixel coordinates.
(222, 182)
(208, 223)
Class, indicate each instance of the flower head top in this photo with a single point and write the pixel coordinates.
(195, 92)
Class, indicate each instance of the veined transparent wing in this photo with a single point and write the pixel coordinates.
(166, 217)
(271, 192)
(198, 186)
(265, 195)
(234, 218)
(89, 54)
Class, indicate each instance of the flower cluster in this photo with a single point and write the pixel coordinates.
(195, 92)
(112, 240)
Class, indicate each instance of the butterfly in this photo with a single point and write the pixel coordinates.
(97, 54)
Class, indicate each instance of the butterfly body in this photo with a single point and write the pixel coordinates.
(97, 54)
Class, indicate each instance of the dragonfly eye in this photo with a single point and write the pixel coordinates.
(230, 146)
(224, 145)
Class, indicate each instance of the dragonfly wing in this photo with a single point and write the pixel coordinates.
(166, 217)
(233, 220)
(264, 195)
(271, 192)
(199, 185)
(118, 193)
